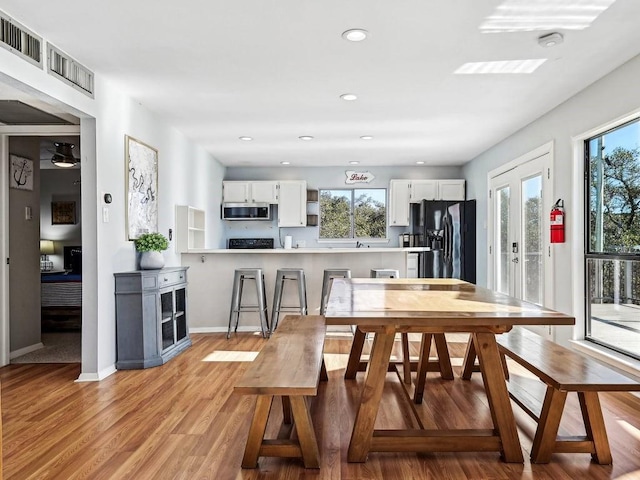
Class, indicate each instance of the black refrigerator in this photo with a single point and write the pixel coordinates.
(449, 230)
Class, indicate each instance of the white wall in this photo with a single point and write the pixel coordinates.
(612, 97)
(187, 175)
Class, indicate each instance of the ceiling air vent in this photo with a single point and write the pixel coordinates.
(19, 40)
(62, 66)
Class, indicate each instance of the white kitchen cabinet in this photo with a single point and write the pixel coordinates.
(451, 189)
(399, 194)
(252, 192)
(190, 229)
(263, 192)
(423, 190)
(292, 204)
(437, 190)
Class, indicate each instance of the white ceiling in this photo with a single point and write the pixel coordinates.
(274, 70)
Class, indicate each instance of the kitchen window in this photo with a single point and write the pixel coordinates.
(358, 213)
(612, 258)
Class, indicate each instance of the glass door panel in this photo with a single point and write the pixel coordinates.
(532, 265)
(503, 257)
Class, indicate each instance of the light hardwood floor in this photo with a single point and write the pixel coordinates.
(182, 421)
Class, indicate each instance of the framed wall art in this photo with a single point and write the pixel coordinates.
(21, 173)
(141, 163)
(63, 213)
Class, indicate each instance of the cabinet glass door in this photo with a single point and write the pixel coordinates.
(167, 327)
(180, 313)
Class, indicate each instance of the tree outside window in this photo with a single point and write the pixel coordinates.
(359, 213)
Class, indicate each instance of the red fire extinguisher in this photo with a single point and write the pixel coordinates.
(557, 222)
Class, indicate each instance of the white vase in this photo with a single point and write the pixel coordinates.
(151, 260)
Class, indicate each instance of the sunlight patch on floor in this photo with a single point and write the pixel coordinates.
(630, 429)
(230, 356)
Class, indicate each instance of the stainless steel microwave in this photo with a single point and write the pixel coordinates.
(246, 211)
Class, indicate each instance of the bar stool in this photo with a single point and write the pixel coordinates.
(327, 279)
(240, 275)
(282, 274)
(384, 273)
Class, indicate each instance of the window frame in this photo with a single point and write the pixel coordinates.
(590, 254)
(352, 233)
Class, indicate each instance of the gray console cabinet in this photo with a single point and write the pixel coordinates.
(151, 317)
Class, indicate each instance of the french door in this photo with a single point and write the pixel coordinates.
(519, 251)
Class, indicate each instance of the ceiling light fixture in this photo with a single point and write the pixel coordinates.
(366, 137)
(354, 162)
(306, 138)
(550, 40)
(419, 162)
(355, 35)
(285, 163)
(63, 156)
(246, 139)
(349, 97)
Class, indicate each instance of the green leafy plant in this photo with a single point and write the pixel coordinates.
(151, 242)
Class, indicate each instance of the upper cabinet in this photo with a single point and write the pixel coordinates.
(436, 190)
(252, 192)
(399, 194)
(292, 204)
(404, 192)
(451, 189)
(264, 192)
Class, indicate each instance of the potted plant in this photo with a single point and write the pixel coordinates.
(151, 245)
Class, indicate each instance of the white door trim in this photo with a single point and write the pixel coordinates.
(547, 148)
(5, 133)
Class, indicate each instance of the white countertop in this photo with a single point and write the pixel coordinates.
(310, 250)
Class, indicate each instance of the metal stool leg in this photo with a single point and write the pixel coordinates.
(262, 305)
(235, 303)
(302, 293)
(277, 302)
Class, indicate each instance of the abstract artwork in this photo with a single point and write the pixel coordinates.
(21, 174)
(141, 163)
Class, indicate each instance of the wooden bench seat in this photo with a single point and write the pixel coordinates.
(290, 365)
(562, 370)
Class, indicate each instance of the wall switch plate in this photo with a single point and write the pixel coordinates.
(105, 214)
(28, 213)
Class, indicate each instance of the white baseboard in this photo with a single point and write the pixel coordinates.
(96, 377)
(25, 350)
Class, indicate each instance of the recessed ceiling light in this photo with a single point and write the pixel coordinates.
(306, 137)
(285, 163)
(246, 139)
(366, 137)
(355, 35)
(349, 97)
(419, 162)
(354, 162)
(506, 66)
(550, 40)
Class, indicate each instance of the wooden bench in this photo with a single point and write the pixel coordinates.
(290, 365)
(562, 370)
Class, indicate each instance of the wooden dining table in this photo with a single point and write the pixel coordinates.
(386, 306)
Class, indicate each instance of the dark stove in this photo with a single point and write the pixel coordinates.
(250, 243)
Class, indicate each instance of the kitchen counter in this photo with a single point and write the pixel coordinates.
(313, 250)
(211, 277)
